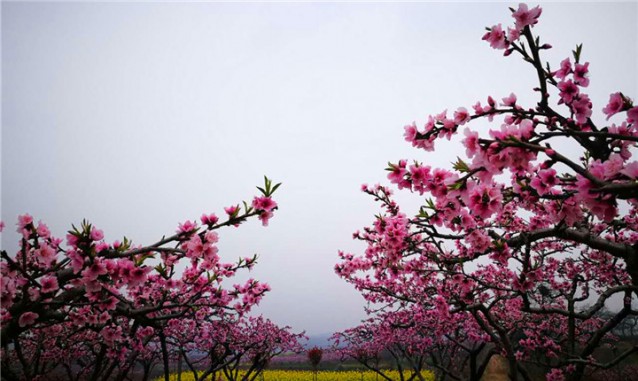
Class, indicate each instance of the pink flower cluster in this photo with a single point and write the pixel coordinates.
(524, 17)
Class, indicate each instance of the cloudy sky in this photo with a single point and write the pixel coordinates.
(138, 116)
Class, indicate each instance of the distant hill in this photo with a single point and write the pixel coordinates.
(320, 340)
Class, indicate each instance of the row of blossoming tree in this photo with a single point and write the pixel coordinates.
(92, 310)
(519, 248)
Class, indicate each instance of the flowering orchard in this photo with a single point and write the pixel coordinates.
(306, 375)
(520, 246)
(92, 310)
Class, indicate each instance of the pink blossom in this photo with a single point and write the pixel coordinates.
(485, 200)
(420, 175)
(49, 284)
(397, 171)
(544, 181)
(101, 246)
(479, 240)
(146, 331)
(410, 132)
(124, 268)
(232, 210)
(509, 100)
(111, 334)
(195, 247)
(211, 237)
(187, 227)
(568, 90)
(96, 269)
(448, 128)
(555, 375)
(612, 166)
(440, 117)
(1, 226)
(631, 170)
(72, 240)
(513, 34)
(198, 248)
(8, 290)
(615, 105)
(496, 37)
(604, 209)
(461, 116)
(471, 142)
(581, 107)
(581, 73)
(96, 234)
(109, 304)
(24, 221)
(264, 217)
(632, 115)
(565, 69)
(209, 219)
(439, 182)
(27, 318)
(34, 294)
(526, 128)
(525, 17)
(264, 203)
(104, 317)
(138, 275)
(43, 230)
(77, 260)
(45, 254)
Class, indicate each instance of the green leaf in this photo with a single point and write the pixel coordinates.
(577, 52)
(268, 189)
(161, 269)
(267, 184)
(513, 139)
(456, 185)
(146, 256)
(461, 166)
(126, 244)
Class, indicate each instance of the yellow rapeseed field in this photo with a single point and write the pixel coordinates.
(306, 375)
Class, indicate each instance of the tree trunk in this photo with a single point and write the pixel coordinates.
(164, 356)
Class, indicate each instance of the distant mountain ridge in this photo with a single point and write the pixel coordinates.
(320, 340)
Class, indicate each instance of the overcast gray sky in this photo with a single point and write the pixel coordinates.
(138, 116)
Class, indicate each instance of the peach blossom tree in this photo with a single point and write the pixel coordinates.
(532, 233)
